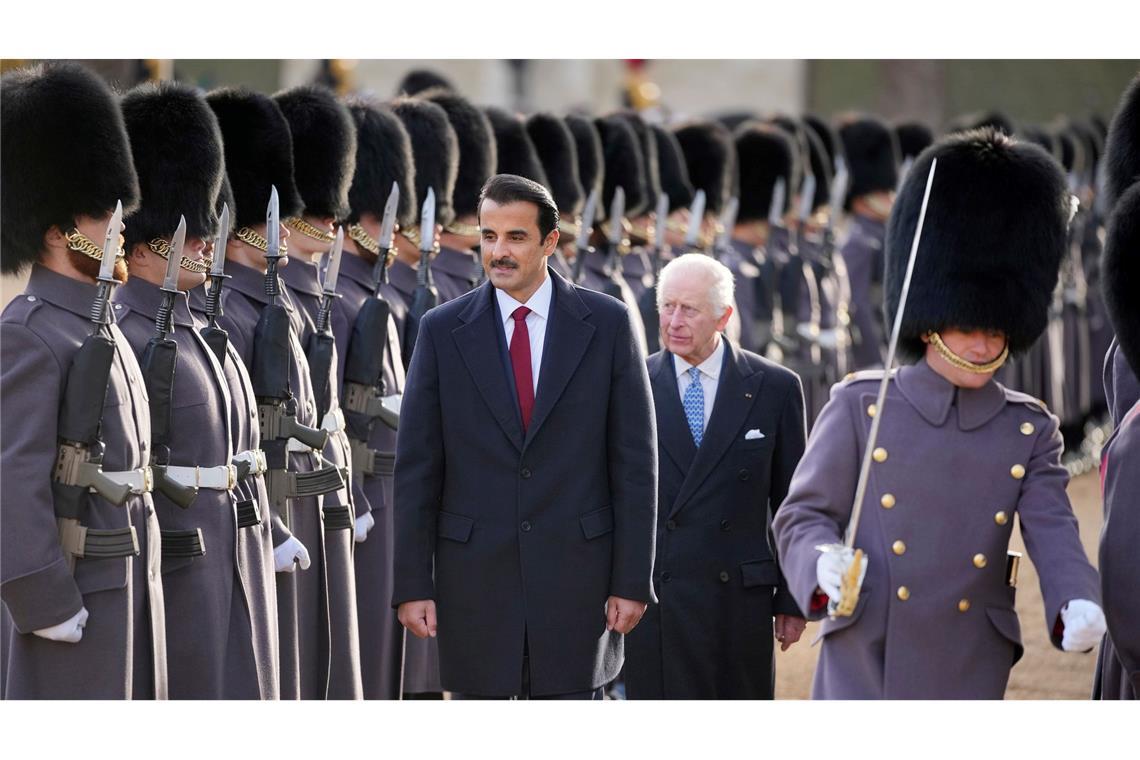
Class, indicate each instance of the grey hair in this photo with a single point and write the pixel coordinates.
(720, 290)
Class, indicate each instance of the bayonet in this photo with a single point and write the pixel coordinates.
(903, 171)
(332, 273)
(273, 245)
(100, 309)
(164, 320)
(387, 227)
(615, 234)
(779, 201)
(696, 216)
(585, 229)
(838, 194)
(727, 224)
(216, 337)
(660, 222)
(807, 198)
(426, 296)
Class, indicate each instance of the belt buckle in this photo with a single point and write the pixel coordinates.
(147, 480)
(231, 477)
(262, 464)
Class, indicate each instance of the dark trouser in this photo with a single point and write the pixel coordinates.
(588, 694)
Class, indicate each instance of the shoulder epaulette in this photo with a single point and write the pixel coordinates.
(20, 310)
(1017, 397)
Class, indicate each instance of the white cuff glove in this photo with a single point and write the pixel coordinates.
(1084, 625)
(829, 570)
(289, 554)
(363, 524)
(69, 631)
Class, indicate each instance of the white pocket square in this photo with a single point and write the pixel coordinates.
(753, 435)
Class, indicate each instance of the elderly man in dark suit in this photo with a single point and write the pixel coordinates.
(730, 426)
(525, 471)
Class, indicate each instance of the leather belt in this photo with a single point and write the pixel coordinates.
(254, 459)
(221, 478)
(333, 421)
(140, 481)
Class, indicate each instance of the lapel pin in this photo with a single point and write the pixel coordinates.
(747, 395)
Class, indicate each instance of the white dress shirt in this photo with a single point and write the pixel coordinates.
(539, 305)
(710, 376)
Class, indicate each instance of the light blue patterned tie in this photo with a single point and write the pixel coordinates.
(694, 403)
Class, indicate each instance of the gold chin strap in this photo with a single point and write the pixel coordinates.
(162, 248)
(965, 364)
(249, 237)
(463, 230)
(412, 233)
(569, 228)
(363, 239)
(80, 243)
(308, 230)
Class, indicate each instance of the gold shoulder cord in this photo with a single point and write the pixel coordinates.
(80, 243)
(162, 248)
(965, 364)
(308, 230)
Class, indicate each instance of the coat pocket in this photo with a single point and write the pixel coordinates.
(454, 527)
(92, 575)
(762, 572)
(597, 523)
(1006, 623)
(834, 625)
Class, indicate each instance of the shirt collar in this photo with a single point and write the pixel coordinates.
(539, 301)
(60, 290)
(710, 366)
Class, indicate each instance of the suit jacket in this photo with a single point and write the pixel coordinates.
(529, 533)
(716, 576)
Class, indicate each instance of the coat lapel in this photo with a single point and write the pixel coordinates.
(737, 391)
(567, 336)
(672, 428)
(478, 341)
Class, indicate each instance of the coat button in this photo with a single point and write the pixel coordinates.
(525, 473)
(666, 576)
(1026, 428)
(888, 501)
(879, 455)
(525, 526)
(31, 299)
(1001, 518)
(898, 547)
(871, 410)
(979, 561)
(743, 475)
(1017, 471)
(671, 525)
(724, 576)
(963, 605)
(724, 525)
(903, 593)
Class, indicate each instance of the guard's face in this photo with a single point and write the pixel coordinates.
(689, 322)
(95, 229)
(514, 254)
(976, 346)
(310, 246)
(195, 250)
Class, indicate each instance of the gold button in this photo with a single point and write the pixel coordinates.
(871, 410)
(1027, 428)
(1017, 471)
(1001, 518)
(879, 455)
(898, 547)
(963, 605)
(903, 593)
(888, 501)
(979, 561)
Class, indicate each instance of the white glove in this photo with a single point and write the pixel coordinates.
(829, 570)
(69, 631)
(289, 554)
(363, 524)
(1084, 625)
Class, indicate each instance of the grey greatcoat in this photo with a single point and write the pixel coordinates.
(718, 584)
(209, 616)
(455, 272)
(123, 650)
(863, 253)
(954, 467)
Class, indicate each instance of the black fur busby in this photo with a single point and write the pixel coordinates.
(324, 148)
(1092, 142)
(515, 150)
(995, 120)
(65, 154)
(1122, 146)
(766, 154)
(435, 149)
(914, 137)
(383, 156)
(648, 142)
(558, 153)
(820, 167)
(828, 137)
(992, 242)
(625, 166)
(419, 80)
(674, 174)
(225, 198)
(1120, 274)
(733, 119)
(872, 156)
(259, 154)
(1041, 137)
(478, 153)
(177, 149)
(710, 157)
(1072, 150)
(591, 158)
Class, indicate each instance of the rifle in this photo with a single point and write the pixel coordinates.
(158, 363)
(426, 296)
(696, 216)
(321, 350)
(726, 224)
(582, 244)
(613, 242)
(216, 337)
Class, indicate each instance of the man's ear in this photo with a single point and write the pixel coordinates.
(723, 321)
(550, 243)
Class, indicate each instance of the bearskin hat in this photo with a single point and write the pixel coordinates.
(766, 154)
(872, 156)
(418, 80)
(992, 242)
(1122, 147)
(259, 154)
(383, 156)
(177, 148)
(1120, 274)
(555, 146)
(624, 166)
(65, 154)
(710, 157)
(648, 142)
(591, 158)
(225, 198)
(435, 149)
(324, 148)
(995, 120)
(515, 150)
(828, 137)
(914, 137)
(674, 174)
(478, 154)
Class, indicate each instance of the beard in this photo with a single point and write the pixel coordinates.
(89, 267)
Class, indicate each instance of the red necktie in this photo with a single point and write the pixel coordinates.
(520, 363)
